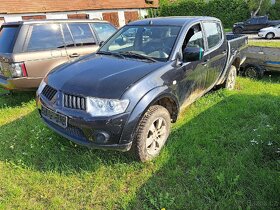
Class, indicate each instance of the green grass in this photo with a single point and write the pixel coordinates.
(228, 30)
(222, 154)
(264, 43)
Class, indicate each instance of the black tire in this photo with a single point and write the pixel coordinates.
(140, 149)
(237, 30)
(253, 71)
(270, 35)
(231, 78)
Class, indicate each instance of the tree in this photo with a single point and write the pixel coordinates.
(259, 7)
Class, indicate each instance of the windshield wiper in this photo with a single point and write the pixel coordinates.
(136, 55)
(110, 53)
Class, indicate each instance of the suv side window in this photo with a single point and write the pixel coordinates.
(213, 33)
(69, 42)
(44, 37)
(103, 30)
(82, 34)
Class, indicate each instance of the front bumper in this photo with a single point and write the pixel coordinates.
(262, 34)
(100, 133)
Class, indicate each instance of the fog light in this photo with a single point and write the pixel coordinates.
(101, 137)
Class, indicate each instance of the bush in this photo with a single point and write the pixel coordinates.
(228, 11)
(274, 12)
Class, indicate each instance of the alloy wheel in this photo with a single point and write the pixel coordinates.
(157, 135)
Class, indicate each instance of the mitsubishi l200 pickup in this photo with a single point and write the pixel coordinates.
(126, 95)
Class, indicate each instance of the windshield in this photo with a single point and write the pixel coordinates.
(7, 38)
(154, 42)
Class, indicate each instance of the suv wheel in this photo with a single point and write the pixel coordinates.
(270, 35)
(152, 133)
(231, 78)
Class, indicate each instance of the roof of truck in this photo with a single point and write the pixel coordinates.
(173, 21)
(26, 22)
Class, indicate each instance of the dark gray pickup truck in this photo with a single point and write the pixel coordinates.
(254, 24)
(125, 96)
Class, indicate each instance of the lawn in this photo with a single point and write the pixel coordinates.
(223, 153)
(266, 43)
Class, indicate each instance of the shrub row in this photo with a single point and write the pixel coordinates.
(274, 12)
(228, 11)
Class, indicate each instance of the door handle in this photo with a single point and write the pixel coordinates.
(224, 52)
(74, 55)
(204, 63)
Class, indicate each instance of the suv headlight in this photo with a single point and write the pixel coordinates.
(106, 107)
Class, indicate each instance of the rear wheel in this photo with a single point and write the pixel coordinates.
(270, 35)
(152, 133)
(231, 78)
(254, 72)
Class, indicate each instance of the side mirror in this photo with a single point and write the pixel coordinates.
(121, 41)
(192, 54)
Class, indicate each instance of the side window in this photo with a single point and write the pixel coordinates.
(69, 42)
(194, 37)
(104, 30)
(44, 37)
(82, 34)
(254, 21)
(213, 33)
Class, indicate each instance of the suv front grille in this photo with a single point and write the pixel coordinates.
(49, 92)
(74, 102)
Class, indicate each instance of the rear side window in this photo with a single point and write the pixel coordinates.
(104, 30)
(69, 42)
(213, 34)
(82, 34)
(7, 38)
(44, 37)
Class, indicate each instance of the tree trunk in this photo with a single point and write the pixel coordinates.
(254, 13)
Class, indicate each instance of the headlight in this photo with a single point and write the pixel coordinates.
(41, 87)
(106, 107)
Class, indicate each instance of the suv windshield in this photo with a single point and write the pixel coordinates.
(7, 38)
(154, 42)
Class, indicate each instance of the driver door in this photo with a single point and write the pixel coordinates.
(192, 75)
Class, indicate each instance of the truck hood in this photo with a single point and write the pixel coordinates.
(100, 76)
(239, 23)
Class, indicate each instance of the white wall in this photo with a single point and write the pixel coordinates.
(63, 15)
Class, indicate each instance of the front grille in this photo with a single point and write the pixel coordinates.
(49, 92)
(74, 102)
(74, 131)
(71, 131)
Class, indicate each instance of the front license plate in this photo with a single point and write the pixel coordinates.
(55, 117)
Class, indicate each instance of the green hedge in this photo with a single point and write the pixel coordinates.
(274, 12)
(228, 11)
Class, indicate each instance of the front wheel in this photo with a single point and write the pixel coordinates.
(270, 35)
(237, 30)
(152, 133)
(231, 78)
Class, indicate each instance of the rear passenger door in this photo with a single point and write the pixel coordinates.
(80, 39)
(215, 56)
(43, 50)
